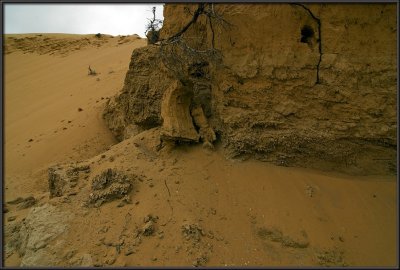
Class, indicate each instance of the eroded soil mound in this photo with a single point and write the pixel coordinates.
(185, 205)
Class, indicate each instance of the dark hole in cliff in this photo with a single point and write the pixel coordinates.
(240, 80)
(150, 122)
(198, 70)
(306, 34)
(218, 141)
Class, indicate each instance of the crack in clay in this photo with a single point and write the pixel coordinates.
(169, 202)
(319, 37)
(197, 13)
(212, 31)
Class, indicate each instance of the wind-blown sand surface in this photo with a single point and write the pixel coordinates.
(43, 94)
(210, 211)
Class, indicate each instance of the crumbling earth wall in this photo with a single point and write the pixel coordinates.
(138, 106)
(311, 85)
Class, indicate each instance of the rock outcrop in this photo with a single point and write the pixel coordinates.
(311, 85)
(36, 238)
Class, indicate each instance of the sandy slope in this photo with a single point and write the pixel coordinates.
(42, 97)
(239, 213)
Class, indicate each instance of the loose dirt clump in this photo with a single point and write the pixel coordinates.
(331, 257)
(275, 235)
(200, 251)
(62, 179)
(192, 232)
(108, 186)
(148, 228)
(23, 203)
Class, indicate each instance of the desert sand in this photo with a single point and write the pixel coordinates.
(188, 205)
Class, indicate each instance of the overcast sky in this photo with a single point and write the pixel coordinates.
(113, 19)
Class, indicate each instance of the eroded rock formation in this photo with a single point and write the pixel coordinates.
(35, 237)
(175, 112)
(138, 106)
(309, 85)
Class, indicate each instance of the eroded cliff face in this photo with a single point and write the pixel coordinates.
(299, 85)
(138, 106)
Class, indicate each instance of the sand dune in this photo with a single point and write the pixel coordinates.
(43, 93)
(202, 208)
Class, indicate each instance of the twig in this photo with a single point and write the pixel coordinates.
(169, 203)
(212, 31)
(165, 182)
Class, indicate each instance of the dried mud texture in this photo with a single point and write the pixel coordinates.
(108, 186)
(300, 85)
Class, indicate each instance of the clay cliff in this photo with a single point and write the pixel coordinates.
(310, 85)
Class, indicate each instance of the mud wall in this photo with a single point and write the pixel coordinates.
(309, 85)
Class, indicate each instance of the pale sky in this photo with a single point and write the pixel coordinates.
(113, 19)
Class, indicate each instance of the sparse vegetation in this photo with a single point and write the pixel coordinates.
(153, 28)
